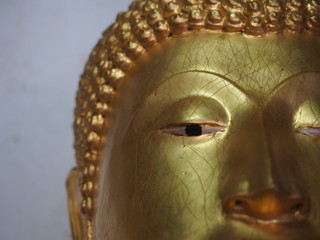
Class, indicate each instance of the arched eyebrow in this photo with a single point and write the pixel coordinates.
(297, 88)
(237, 86)
(247, 92)
(284, 81)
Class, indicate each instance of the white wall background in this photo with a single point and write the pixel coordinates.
(43, 47)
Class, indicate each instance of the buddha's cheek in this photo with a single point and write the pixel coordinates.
(174, 183)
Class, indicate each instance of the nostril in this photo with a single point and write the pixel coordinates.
(266, 206)
(236, 206)
(296, 208)
(239, 205)
(299, 208)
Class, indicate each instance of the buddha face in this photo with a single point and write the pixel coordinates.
(215, 136)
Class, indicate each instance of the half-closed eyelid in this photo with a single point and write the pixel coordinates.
(312, 131)
(193, 129)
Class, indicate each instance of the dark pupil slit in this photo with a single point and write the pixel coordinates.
(193, 130)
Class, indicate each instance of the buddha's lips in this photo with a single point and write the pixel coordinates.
(275, 225)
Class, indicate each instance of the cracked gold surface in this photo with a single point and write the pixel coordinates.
(136, 31)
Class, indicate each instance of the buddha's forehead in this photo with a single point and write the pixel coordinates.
(254, 64)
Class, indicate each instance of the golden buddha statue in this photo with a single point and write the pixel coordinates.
(200, 120)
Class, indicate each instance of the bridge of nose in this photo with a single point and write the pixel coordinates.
(246, 161)
(259, 174)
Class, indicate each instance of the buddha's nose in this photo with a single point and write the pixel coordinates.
(267, 206)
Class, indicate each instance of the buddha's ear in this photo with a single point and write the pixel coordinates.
(77, 219)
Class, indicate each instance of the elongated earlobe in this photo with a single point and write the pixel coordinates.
(77, 219)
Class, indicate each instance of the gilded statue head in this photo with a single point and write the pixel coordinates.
(200, 120)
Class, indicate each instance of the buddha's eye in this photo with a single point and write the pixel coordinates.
(193, 129)
(310, 131)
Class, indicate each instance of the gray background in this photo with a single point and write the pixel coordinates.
(43, 47)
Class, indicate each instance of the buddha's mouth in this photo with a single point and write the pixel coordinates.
(274, 225)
